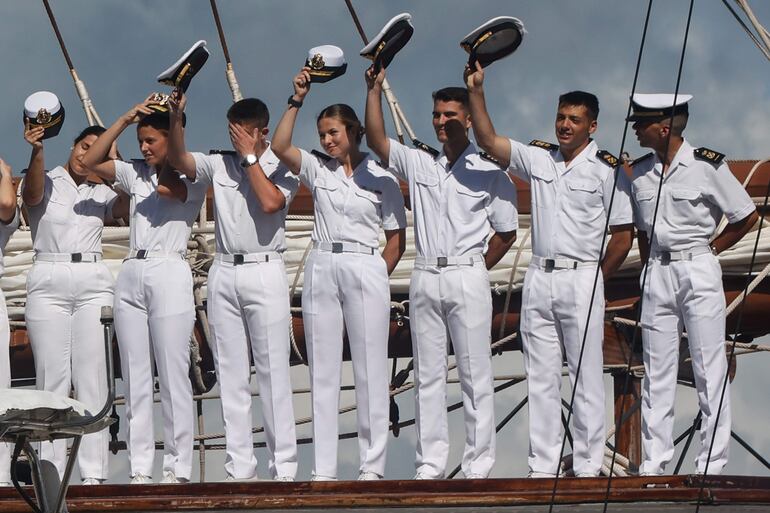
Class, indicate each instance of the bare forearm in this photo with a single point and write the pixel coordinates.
(7, 198)
(270, 197)
(376, 137)
(644, 246)
(178, 156)
(34, 181)
(170, 184)
(96, 158)
(617, 250)
(734, 232)
(484, 131)
(394, 248)
(498, 246)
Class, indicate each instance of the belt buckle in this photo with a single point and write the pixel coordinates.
(141, 254)
(336, 247)
(237, 259)
(665, 257)
(76, 257)
(442, 261)
(550, 264)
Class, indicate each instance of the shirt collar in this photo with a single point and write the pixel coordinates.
(467, 154)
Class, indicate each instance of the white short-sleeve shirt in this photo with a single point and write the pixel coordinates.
(570, 202)
(455, 208)
(694, 196)
(157, 223)
(241, 224)
(6, 230)
(70, 217)
(354, 208)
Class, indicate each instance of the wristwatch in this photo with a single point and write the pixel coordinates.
(294, 103)
(249, 160)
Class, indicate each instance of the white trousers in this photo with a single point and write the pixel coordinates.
(64, 302)
(554, 312)
(452, 303)
(348, 291)
(248, 308)
(5, 382)
(154, 316)
(684, 295)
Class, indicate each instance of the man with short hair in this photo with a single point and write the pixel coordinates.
(457, 198)
(683, 289)
(572, 187)
(248, 294)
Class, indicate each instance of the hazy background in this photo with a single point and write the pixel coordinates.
(119, 46)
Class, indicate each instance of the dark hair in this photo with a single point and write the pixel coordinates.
(249, 110)
(582, 98)
(452, 94)
(347, 116)
(159, 121)
(89, 130)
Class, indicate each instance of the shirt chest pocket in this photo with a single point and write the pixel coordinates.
(58, 211)
(584, 197)
(226, 191)
(91, 211)
(684, 199)
(542, 187)
(368, 206)
(469, 203)
(644, 201)
(326, 196)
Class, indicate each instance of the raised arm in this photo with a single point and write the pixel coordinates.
(96, 158)
(282, 146)
(376, 137)
(7, 193)
(497, 146)
(178, 156)
(271, 199)
(33, 187)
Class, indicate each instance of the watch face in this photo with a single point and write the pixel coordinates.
(249, 160)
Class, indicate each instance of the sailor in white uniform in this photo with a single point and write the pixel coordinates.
(571, 185)
(683, 290)
(9, 221)
(346, 279)
(248, 293)
(154, 309)
(66, 288)
(458, 199)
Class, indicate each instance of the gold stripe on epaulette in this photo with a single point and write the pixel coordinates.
(706, 154)
(542, 144)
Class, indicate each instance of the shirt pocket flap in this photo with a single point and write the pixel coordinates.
(224, 180)
(325, 185)
(471, 193)
(371, 196)
(426, 179)
(542, 174)
(685, 194)
(583, 185)
(644, 194)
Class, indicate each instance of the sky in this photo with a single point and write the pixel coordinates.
(120, 46)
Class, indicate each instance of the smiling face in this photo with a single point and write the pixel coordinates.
(450, 120)
(336, 139)
(75, 162)
(153, 144)
(574, 126)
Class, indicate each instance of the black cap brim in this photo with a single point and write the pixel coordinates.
(494, 44)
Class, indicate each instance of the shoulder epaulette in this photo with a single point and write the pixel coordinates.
(545, 145)
(643, 157)
(321, 155)
(222, 152)
(710, 155)
(608, 158)
(427, 149)
(489, 158)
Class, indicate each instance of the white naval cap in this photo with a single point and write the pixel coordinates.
(658, 106)
(183, 70)
(387, 43)
(493, 40)
(43, 109)
(326, 62)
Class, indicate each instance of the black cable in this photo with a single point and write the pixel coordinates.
(732, 347)
(651, 240)
(617, 170)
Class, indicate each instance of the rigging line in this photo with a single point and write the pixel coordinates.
(746, 28)
(229, 71)
(575, 383)
(651, 238)
(731, 356)
(58, 35)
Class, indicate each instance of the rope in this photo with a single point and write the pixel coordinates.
(300, 267)
(229, 71)
(754, 38)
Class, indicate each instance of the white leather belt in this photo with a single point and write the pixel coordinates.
(68, 257)
(551, 264)
(666, 257)
(143, 254)
(247, 258)
(446, 261)
(344, 247)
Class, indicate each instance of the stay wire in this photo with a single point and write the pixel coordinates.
(731, 355)
(618, 169)
(651, 240)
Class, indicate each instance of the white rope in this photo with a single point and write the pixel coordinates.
(235, 89)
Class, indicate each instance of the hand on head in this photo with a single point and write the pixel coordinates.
(474, 77)
(244, 141)
(301, 83)
(140, 110)
(33, 135)
(374, 79)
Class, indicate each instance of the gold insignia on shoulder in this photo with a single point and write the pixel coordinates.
(317, 62)
(710, 155)
(43, 117)
(608, 157)
(489, 158)
(427, 149)
(545, 145)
